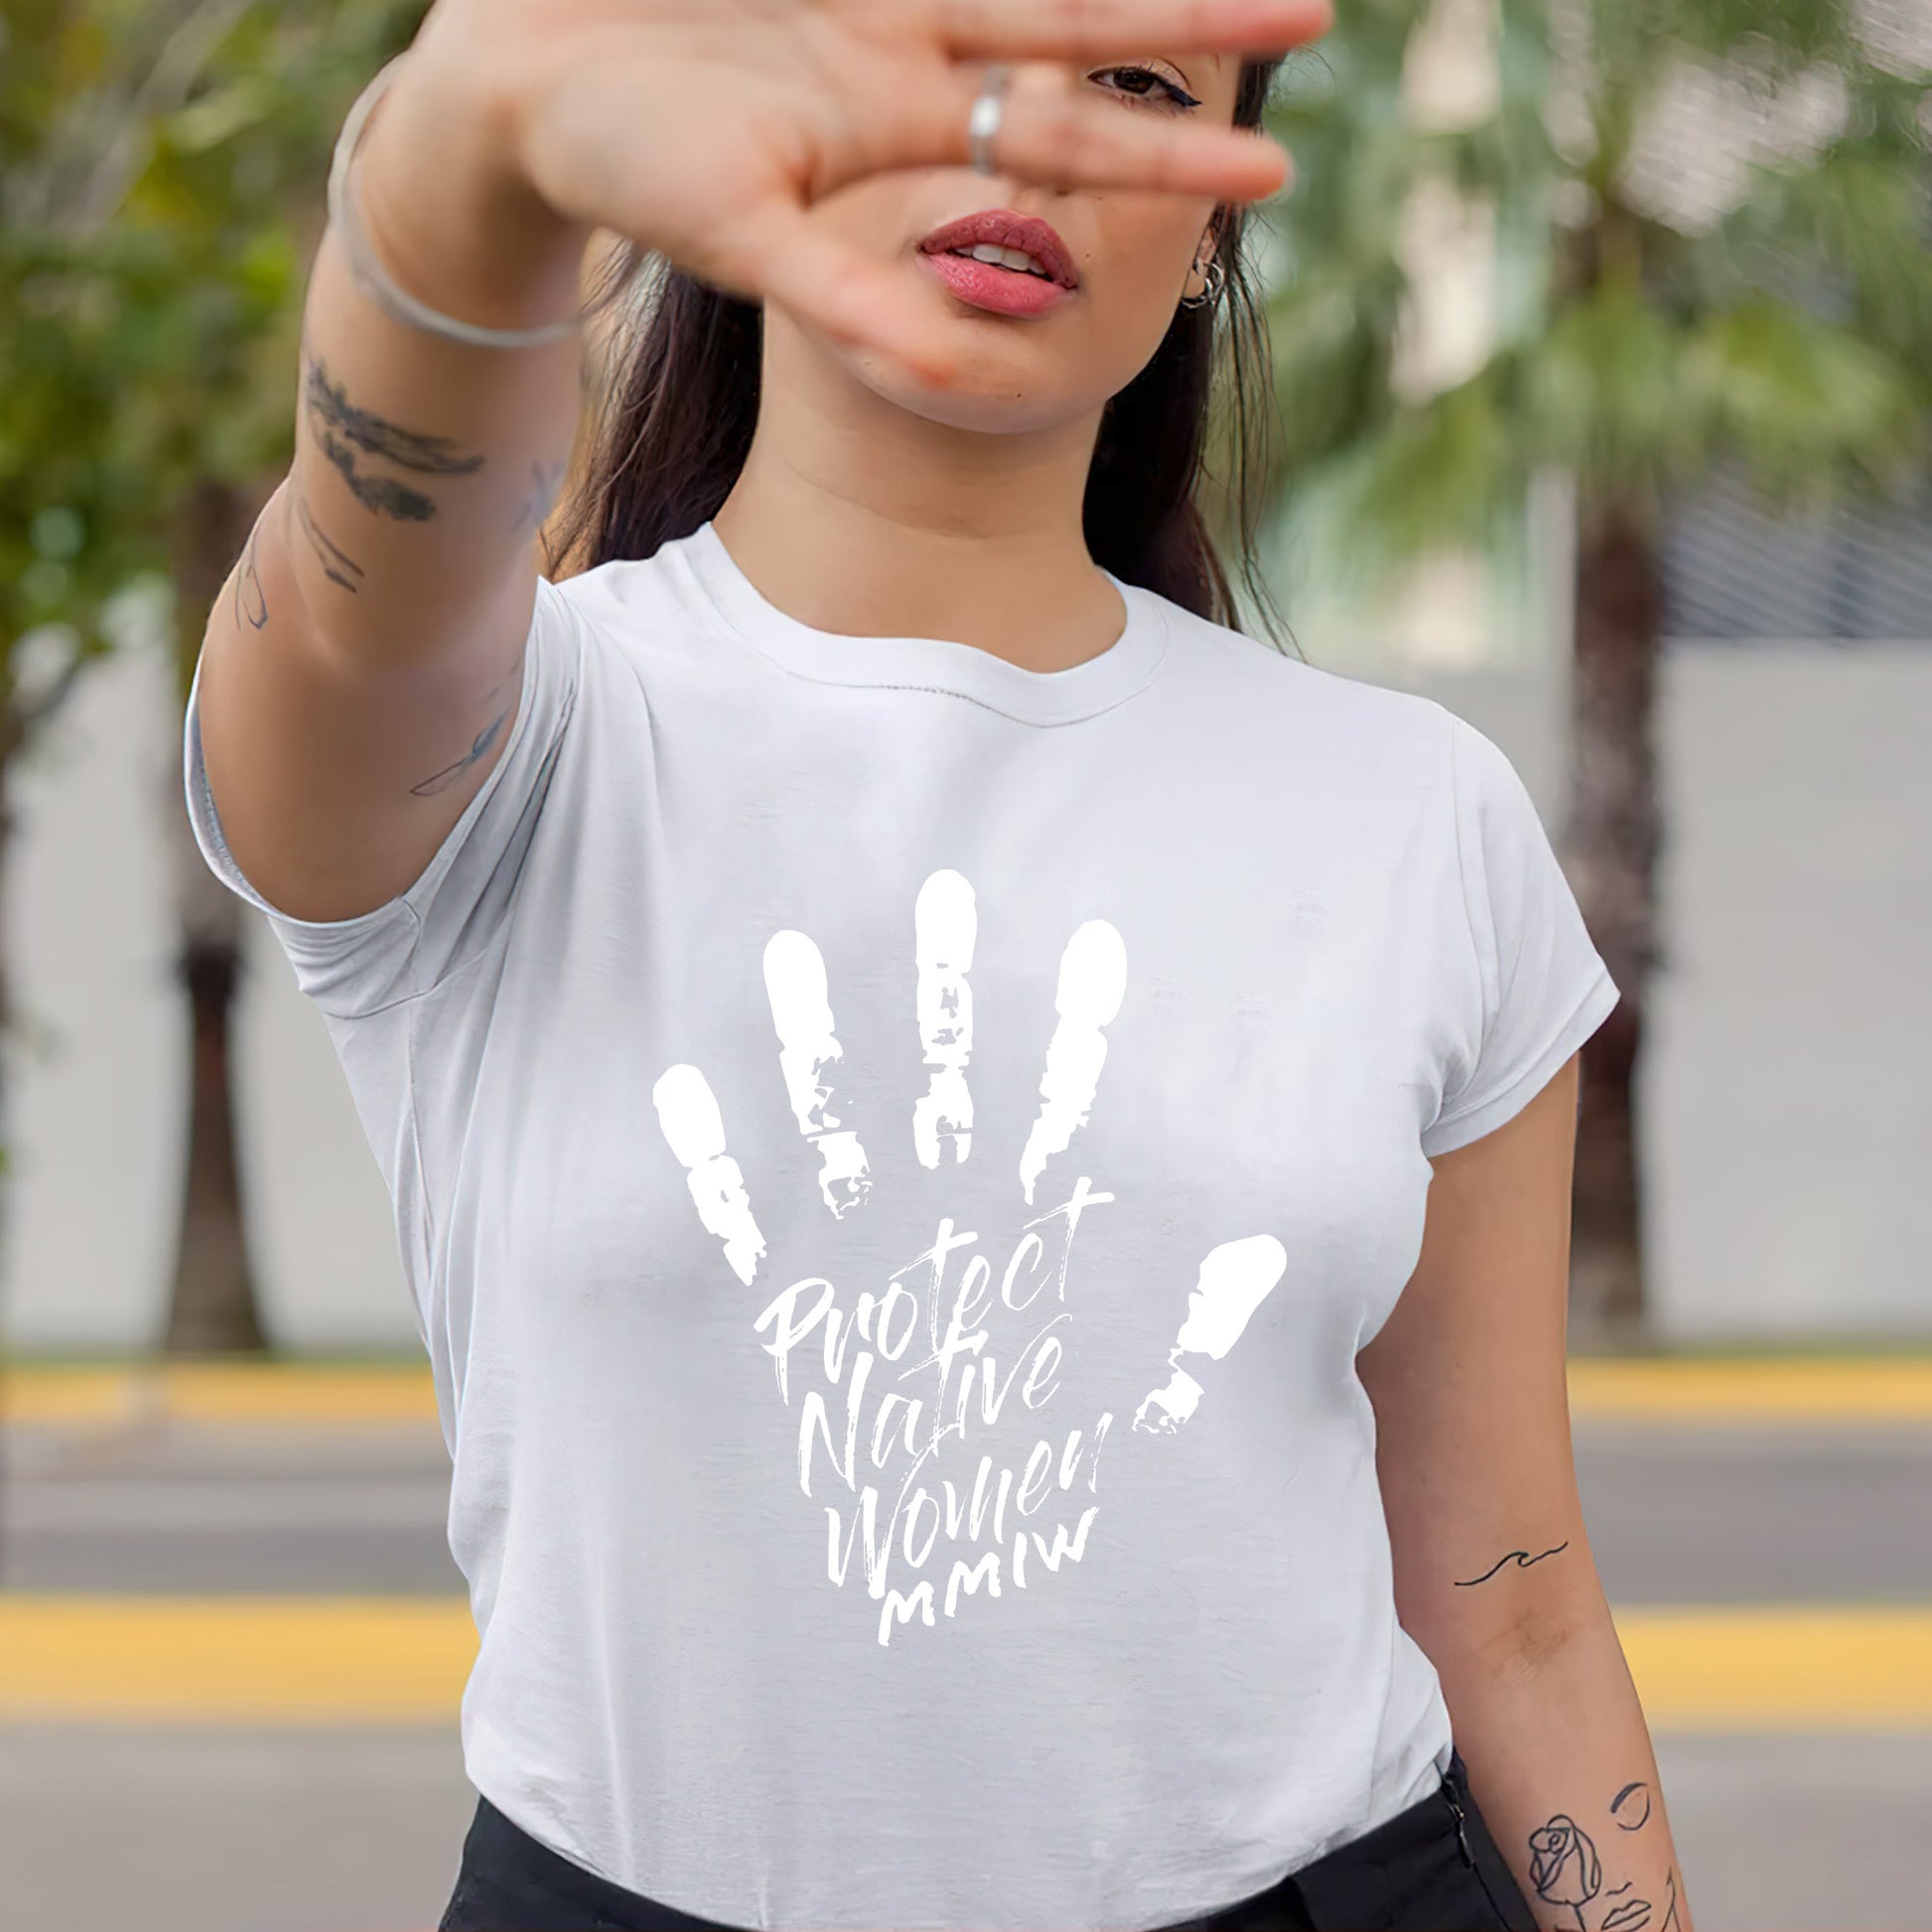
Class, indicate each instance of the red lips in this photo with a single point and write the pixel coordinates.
(1004, 229)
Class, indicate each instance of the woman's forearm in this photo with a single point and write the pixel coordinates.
(1560, 1761)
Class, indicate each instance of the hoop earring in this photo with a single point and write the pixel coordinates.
(1214, 280)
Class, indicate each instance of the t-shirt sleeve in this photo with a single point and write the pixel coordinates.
(1545, 987)
(394, 952)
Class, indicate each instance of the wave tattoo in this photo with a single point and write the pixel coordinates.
(1520, 1558)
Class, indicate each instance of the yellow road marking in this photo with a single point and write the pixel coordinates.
(1869, 1389)
(219, 1392)
(1874, 1389)
(1782, 1667)
(375, 1660)
(227, 1659)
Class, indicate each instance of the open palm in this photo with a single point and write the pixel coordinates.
(707, 129)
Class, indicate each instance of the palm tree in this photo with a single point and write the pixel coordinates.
(1757, 299)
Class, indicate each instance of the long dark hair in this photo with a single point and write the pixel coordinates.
(673, 421)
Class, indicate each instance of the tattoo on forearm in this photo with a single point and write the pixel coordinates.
(1564, 1866)
(336, 564)
(1520, 1558)
(1672, 1923)
(1565, 1871)
(546, 480)
(1628, 1914)
(1631, 1806)
(249, 602)
(341, 429)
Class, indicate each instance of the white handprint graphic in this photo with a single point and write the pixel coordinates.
(1234, 1280)
(901, 1531)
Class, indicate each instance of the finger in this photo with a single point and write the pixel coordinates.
(1082, 139)
(853, 298)
(1046, 30)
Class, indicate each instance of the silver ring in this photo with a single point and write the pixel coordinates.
(989, 110)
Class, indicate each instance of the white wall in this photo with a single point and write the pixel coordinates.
(94, 1075)
(1786, 1095)
(1789, 1109)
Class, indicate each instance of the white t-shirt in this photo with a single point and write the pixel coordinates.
(895, 1156)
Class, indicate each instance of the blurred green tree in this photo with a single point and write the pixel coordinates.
(161, 164)
(64, 543)
(1758, 295)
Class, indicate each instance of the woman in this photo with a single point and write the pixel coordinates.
(981, 1158)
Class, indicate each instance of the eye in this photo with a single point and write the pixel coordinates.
(1148, 83)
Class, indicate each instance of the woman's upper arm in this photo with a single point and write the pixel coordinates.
(338, 776)
(441, 905)
(1466, 1373)
(1467, 1377)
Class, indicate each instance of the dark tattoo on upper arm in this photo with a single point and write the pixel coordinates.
(450, 774)
(479, 745)
(249, 602)
(1521, 1558)
(341, 428)
(382, 496)
(336, 562)
(410, 449)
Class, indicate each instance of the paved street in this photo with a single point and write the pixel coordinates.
(354, 1827)
(1677, 1515)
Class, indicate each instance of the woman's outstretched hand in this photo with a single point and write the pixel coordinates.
(707, 129)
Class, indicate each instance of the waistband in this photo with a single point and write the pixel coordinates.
(1347, 1886)
(1356, 1881)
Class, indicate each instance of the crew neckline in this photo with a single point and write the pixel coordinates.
(941, 664)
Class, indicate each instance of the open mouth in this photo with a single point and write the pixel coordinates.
(1002, 261)
(1003, 237)
(1015, 260)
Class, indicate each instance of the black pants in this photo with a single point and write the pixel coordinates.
(1431, 1868)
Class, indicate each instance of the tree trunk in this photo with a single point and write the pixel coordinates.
(1612, 846)
(212, 1306)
